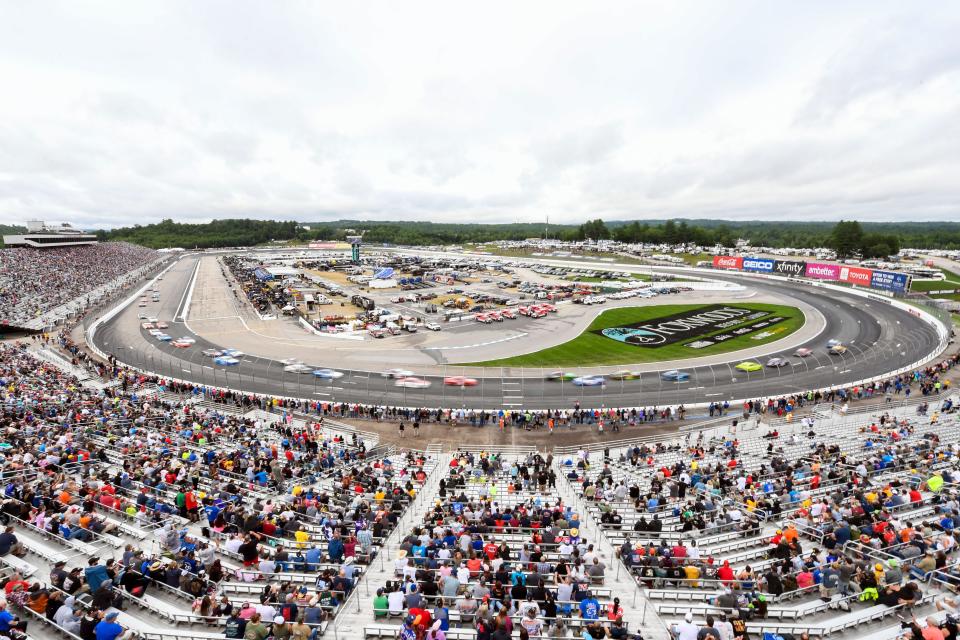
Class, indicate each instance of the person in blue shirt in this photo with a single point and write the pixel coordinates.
(95, 574)
(589, 608)
(108, 629)
(9, 621)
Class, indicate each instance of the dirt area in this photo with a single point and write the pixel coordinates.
(336, 277)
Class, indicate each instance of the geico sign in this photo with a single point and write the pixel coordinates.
(757, 264)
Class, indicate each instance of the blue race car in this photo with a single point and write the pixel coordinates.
(675, 376)
(589, 381)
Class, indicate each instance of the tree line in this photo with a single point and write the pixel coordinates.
(846, 237)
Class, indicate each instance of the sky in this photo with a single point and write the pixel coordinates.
(121, 113)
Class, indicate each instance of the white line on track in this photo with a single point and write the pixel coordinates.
(481, 344)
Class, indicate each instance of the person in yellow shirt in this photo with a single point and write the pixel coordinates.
(692, 574)
(302, 537)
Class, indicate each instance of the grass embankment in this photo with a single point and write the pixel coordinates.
(592, 349)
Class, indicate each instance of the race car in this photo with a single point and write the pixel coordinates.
(226, 361)
(460, 381)
(181, 343)
(327, 374)
(291, 361)
(833, 342)
(412, 383)
(298, 367)
(749, 366)
(802, 352)
(589, 381)
(162, 325)
(212, 353)
(837, 350)
(560, 376)
(776, 363)
(187, 339)
(625, 375)
(397, 373)
(675, 376)
(163, 337)
(233, 353)
(146, 325)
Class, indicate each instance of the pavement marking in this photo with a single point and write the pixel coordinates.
(481, 344)
(317, 393)
(186, 370)
(710, 395)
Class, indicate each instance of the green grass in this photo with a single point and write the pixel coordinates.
(592, 349)
(922, 286)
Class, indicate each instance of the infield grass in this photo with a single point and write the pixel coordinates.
(591, 349)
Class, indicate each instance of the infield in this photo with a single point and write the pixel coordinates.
(630, 335)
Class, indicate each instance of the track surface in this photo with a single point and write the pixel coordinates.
(880, 338)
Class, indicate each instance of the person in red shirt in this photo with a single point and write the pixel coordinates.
(490, 550)
(725, 573)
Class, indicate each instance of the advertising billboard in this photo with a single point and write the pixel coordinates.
(856, 275)
(890, 281)
(762, 265)
(821, 271)
(789, 267)
(727, 262)
(686, 325)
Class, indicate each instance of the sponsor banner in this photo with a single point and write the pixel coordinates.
(822, 271)
(890, 281)
(789, 267)
(679, 327)
(322, 245)
(856, 275)
(762, 265)
(727, 262)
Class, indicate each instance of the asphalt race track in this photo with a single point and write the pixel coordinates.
(879, 337)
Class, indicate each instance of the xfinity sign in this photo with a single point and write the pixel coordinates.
(758, 264)
(789, 267)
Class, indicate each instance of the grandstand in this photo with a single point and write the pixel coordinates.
(40, 287)
(195, 519)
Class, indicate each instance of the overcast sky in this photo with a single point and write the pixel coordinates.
(120, 112)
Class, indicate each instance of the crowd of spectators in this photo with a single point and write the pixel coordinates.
(35, 281)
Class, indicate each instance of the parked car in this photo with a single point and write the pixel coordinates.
(432, 326)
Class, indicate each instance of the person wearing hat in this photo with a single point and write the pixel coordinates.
(281, 629)
(108, 628)
(58, 574)
(686, 630)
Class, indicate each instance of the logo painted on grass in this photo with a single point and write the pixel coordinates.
(681, 327)
(629, 335)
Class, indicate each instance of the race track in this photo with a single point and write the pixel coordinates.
(880, 338)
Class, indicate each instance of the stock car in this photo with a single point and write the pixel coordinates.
(802, 352)
(748, 366)
(837, 350)
(163, 337)
(675, 376)
(589, 381)
(291, 361)
(226, 361)
(162, 325)
(189, 340)
(233, 353)
(559, 376)
(298, 367)
(460, 381)
(625, 375)
(833, 342)
(397, 373)
(411, 382)
(147, 326)
(327, 374)
(776, 363)
(212, 353)
(182, 344)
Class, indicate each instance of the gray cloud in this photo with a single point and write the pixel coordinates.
(752, 110)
